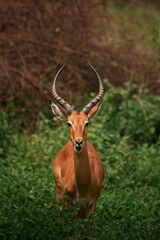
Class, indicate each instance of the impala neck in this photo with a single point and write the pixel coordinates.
(82, 170)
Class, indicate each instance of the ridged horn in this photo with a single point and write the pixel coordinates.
(98, 98)
(60, 100)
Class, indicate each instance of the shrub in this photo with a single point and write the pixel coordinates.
(125, 134)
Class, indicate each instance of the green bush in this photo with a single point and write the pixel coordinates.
(126, 135)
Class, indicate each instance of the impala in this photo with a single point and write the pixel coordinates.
(78, 171)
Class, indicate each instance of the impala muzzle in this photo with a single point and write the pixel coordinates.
(78, 146)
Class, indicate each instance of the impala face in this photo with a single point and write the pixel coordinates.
(78, 123)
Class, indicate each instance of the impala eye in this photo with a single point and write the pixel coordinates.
(69, 124)
(86, 124)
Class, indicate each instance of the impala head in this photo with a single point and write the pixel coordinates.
(77, 122)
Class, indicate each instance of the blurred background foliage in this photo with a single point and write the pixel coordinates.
(121, 38)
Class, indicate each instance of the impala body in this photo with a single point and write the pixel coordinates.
(77, 169)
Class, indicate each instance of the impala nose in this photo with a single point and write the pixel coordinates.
(79, 142)
(78, 145)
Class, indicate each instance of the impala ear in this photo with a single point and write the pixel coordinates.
(59, 112)
(95, 110)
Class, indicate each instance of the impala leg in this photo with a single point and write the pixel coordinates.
(59, 192)
(67, 203)
(82, 213)
(91, 208)
(94, 207)
(58, 197)
(85, 211)
(91, 211)
(58, 183)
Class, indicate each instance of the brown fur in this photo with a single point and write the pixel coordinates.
(79, 175)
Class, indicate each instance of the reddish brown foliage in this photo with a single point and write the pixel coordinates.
(37, 37)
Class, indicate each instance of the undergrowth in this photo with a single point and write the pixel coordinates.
(126, 135)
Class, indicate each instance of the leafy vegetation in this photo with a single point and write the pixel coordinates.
(126, 135)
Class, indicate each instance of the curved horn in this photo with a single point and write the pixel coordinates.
(60, 100)
(97, 99)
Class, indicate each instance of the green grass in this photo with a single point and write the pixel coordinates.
(134, 25)
(126, 135)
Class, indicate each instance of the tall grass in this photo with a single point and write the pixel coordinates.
(126, 135)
